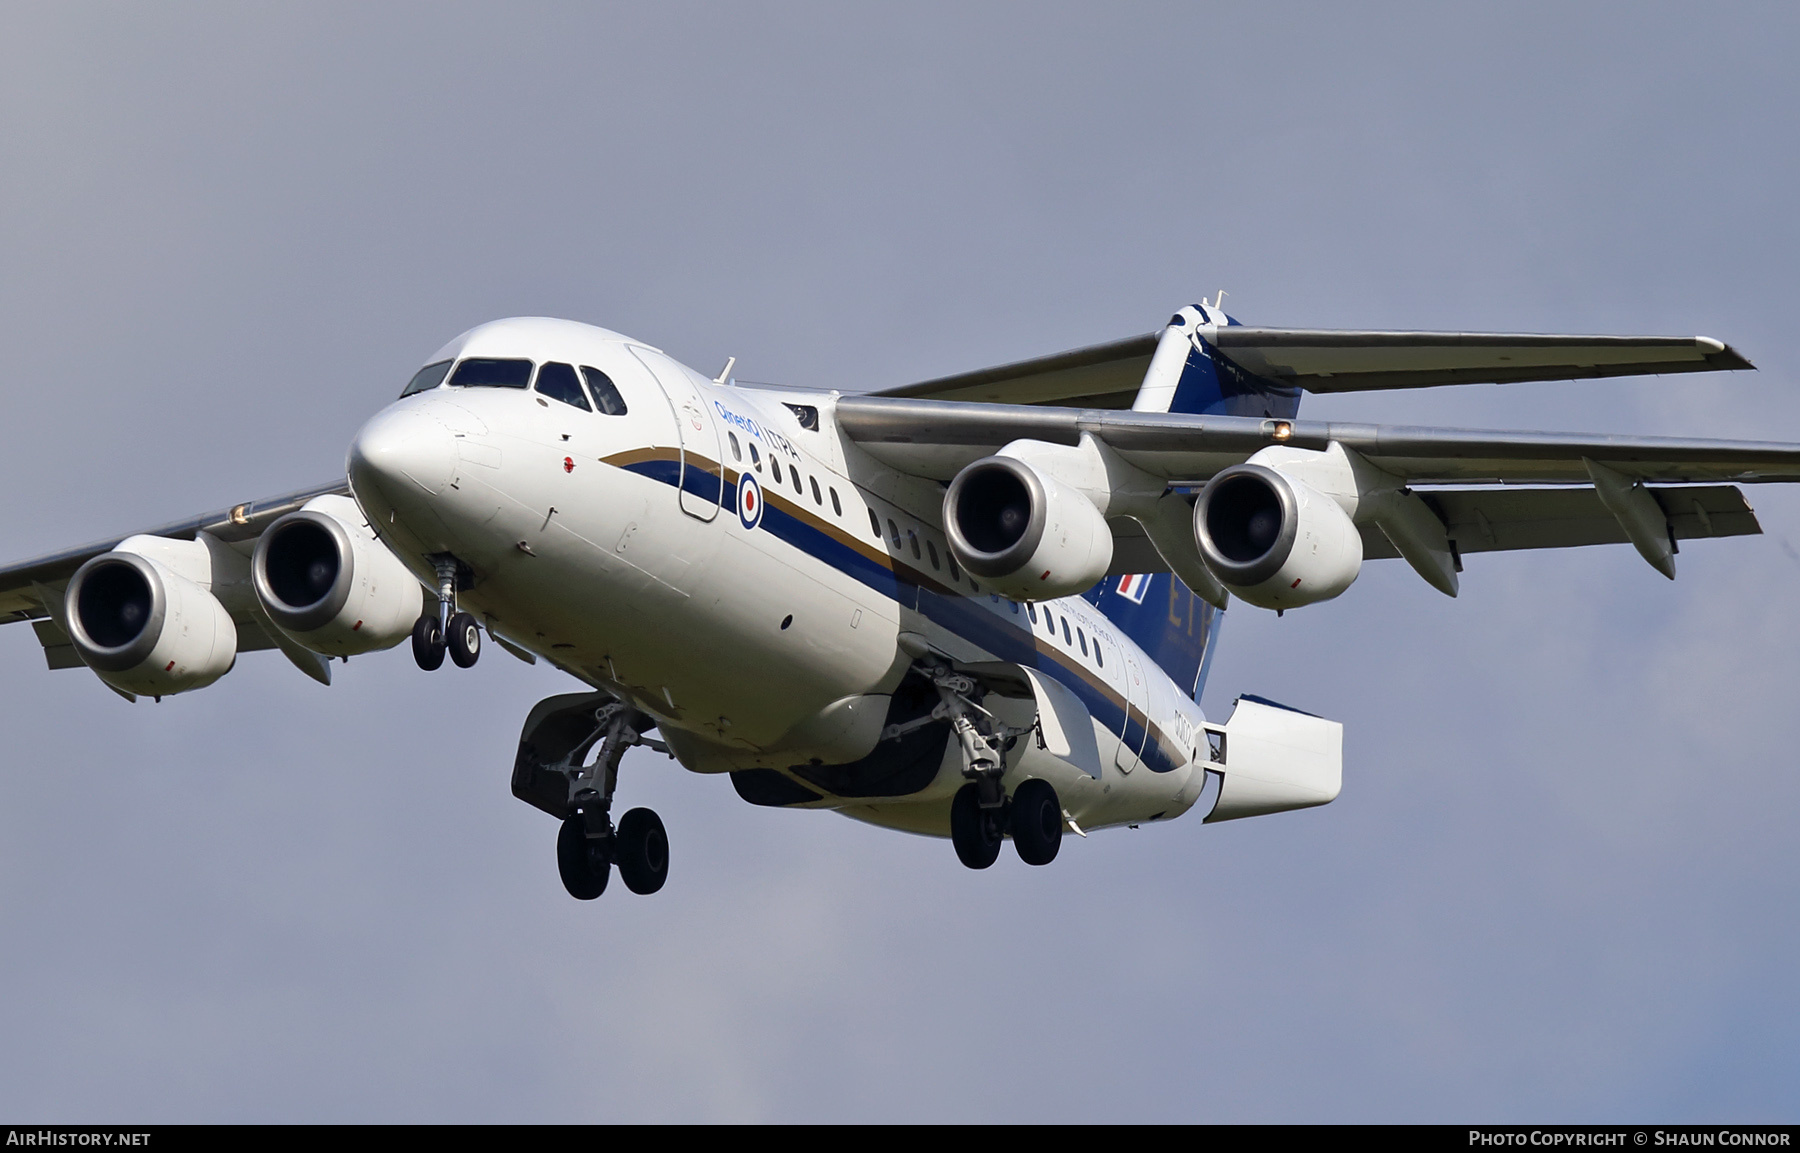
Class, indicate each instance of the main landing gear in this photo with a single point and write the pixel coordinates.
(981, 814)
(588, 846)
(447, 630)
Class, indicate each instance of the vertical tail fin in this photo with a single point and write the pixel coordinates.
(1175, 628)
(1189, 374)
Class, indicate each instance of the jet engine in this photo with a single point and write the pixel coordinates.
(1029, 536)
(329, 584)
(1273, 540)
(145, 629)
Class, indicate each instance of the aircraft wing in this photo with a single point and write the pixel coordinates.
(1322, 360)
(239, 525)
(1474, 480)
(935, 439)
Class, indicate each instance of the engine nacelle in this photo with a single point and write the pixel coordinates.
(1275, 541)
(328, 584)
(146, 629)
(1029, 536)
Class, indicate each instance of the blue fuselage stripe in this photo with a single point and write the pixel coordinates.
(958, 614)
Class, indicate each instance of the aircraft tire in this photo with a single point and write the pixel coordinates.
(464, 640)
(584, 871)
(427, 645)
(1037, 822)
(975, 833)
(643, 851)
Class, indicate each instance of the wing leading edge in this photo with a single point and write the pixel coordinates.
(20, 600)
(936, 439)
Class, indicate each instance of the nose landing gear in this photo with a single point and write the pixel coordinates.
(447, 630)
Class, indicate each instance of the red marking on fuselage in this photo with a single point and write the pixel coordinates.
(1296, 583)
(568, 464)
(170, 667)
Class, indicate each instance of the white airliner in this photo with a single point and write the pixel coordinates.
(981, 607)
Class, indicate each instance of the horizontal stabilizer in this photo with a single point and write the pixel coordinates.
(1328, 360)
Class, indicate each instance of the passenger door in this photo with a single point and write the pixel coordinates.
(702, 479)
(1132, 729)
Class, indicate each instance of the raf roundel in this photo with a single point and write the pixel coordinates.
(750, 501)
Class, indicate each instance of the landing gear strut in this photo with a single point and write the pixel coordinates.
(981, 814)
(587, 846)
(447, 630)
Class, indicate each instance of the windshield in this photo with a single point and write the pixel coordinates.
(482, 373)
(428, 377)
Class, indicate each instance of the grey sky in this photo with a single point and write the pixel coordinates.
(1560, 883)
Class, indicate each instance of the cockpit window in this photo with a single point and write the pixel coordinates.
(557, 381)
(428, 377)
(606, 394)
(477, 372)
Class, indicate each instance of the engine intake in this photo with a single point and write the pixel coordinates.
(145, 629)
(1029, 536)
(328, 584)
(1274, 541)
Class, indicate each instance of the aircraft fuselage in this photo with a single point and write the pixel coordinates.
(723, 560)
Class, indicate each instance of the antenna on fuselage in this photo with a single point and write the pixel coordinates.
(725, 373)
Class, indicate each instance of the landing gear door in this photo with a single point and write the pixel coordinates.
(1064, 723)
(1133, 728)
(702, 473)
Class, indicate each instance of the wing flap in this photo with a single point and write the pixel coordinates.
(1508, 519)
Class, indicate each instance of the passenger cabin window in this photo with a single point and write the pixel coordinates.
(606, 393)
(756, 459)
(427, 378)
(932, 550)
(950, 557)
(1031, 609)
(736, 452)
(894, 533)
(1067, 639)
(559, 382)
(1098, 659)
(874, 524)
(480, 372)
(795, 474)
(1082, 638)
(836, 505)
(913, 539)
(818, 497)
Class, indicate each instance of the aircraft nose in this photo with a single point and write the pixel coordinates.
(403, 451)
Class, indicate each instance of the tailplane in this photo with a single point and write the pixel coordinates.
(1189, 374)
